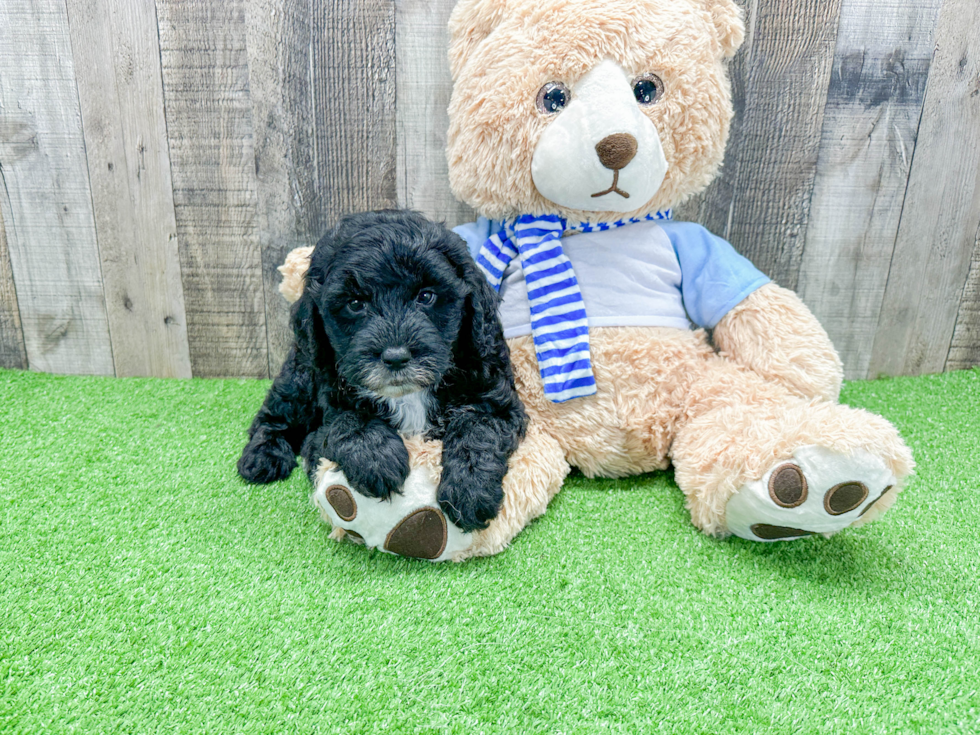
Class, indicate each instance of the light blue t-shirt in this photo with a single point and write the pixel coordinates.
(657, 274)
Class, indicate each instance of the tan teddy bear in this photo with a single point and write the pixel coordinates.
(574, 127)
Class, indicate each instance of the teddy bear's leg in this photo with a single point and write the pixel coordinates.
(534, 476)
(757, 461)
(411, 523)
(775, 335)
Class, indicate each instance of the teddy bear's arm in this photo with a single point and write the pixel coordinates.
(294, 273)
(773, 333)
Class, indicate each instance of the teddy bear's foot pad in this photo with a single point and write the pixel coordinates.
(421, 534)
(409, 523)
(816, 491)
(342, 501)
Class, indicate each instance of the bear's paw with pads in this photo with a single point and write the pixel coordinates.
(817, 491)
(409, 523)
(412, 524)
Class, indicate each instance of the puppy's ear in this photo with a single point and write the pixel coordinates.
(481, 350)
(305, 270)
(312, 345)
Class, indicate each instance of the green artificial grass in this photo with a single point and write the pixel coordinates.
(144, 588)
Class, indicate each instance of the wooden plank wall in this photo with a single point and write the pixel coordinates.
(209, 128)
(12, 353)
(321, 147)
(874, 102)
(46, 201)
(160, 157)
(942, 207)
(117, 70)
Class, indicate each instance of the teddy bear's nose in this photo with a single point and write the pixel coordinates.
(616, 150)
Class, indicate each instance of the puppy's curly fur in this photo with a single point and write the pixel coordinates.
(393, 306)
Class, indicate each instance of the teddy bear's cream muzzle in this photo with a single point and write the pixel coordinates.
(601, 153)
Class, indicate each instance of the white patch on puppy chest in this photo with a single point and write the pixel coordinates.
(409, 413)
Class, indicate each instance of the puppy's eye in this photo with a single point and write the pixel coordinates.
(426, 297)
(648, 89)
(553, 98)
(356, 306)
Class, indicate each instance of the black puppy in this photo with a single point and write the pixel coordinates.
(397, 329)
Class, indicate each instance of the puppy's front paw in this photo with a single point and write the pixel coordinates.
(379, 473)
(265, 461)
(469, 502)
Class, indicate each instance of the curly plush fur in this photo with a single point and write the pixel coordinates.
(502, 52)
(393, 306)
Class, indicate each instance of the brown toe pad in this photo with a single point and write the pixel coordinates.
(421, 534)
(870, 505)
(787, 486)
(844, 497)
(769, 533)
(342, 502)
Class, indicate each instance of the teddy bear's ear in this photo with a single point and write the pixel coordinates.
(294, 274)
(471, 22)
(727, 17)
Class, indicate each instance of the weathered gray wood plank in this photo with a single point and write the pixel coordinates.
(713, 207)
(280, 36)
(117, 67)
(761, 200)
(964, 352)
(209, 128)
(355, 94)
(12, 353)
(44, 198)
(323, 96)
(884, 48)
(424, 89)
(941, 216)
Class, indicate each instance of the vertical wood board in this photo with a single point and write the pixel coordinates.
(761, 200)
(290, 197)
(964, 352)
(884, 49)
(323, 100)
(354, 95)
(424, 89)
(44, 194)
(117, 67)
(788, 72)
(12, 353)
(712, 208)
(941, 215)
(209, 129)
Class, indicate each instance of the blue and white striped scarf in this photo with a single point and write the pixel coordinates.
(559, 323)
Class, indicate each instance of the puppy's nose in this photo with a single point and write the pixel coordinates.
(396, 357)
(616, 150)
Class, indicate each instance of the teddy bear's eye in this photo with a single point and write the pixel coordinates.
(553, 97)
(648, 89)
